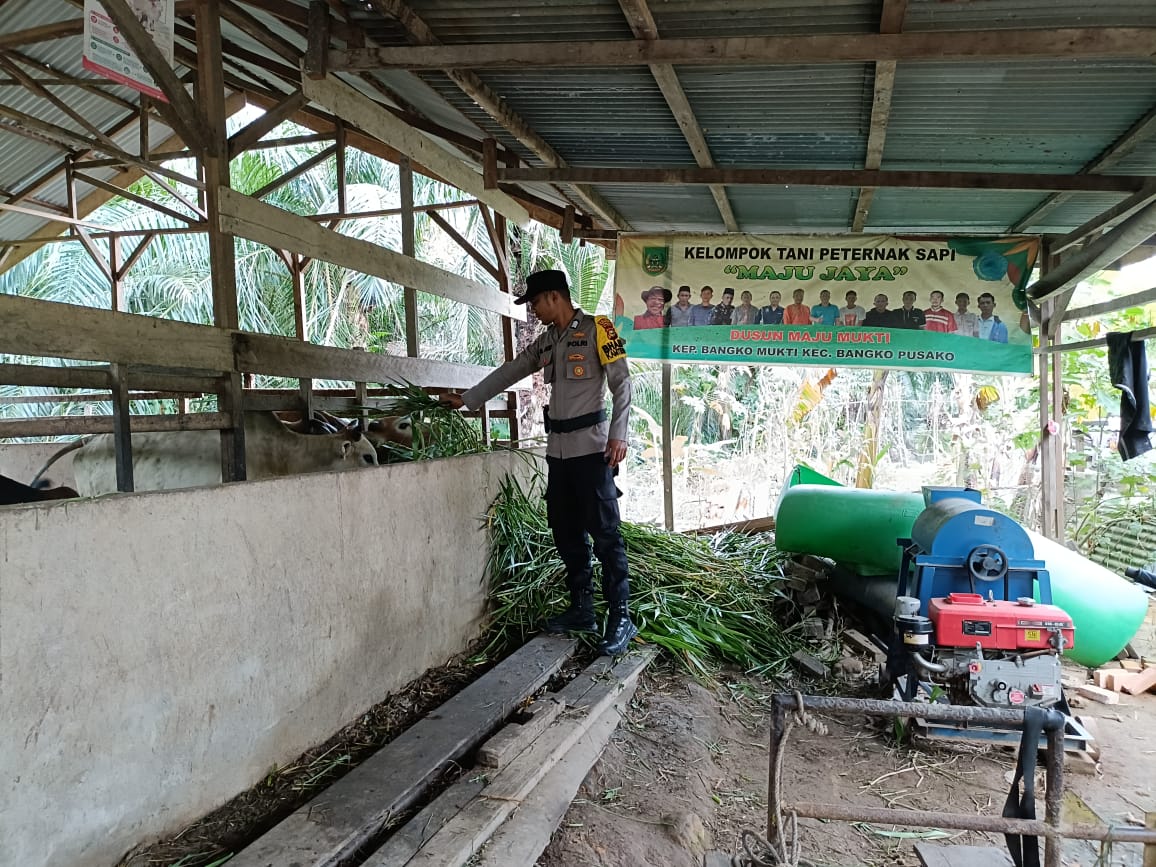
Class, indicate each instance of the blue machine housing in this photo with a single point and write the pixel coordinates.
(958, 545)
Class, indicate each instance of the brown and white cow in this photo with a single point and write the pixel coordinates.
(188, 459)
(392, 429)
(395, 429)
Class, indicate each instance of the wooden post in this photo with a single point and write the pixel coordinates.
(667, 446)
(362, 394)
(1050, 490)
(119, 302)
(1059, 451)
(489, 164)
(305, 392)
(297, 275)
(1150, 848)
(567, 233)
(408, 248)
(121, 427)
(317, 51)
(339, 140)
(70, 191)
(143, 126)
(222, 257)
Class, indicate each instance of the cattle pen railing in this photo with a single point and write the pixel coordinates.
(133, 357)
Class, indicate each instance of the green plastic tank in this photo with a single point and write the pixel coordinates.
(857, 528)
(1106, 608)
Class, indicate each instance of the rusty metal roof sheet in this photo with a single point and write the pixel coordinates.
(993, 116)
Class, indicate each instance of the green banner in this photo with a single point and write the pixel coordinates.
(834, 301)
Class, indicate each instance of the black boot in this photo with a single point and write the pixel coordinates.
(619, 631)
(579, 617)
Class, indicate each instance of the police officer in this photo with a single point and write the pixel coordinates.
(578, 355)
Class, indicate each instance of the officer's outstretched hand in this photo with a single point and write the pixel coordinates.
(615, 452)
(450, 400)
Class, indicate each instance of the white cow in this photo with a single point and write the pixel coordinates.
(190, 459)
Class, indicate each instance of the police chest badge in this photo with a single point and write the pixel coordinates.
(655, 260)
(611, 347)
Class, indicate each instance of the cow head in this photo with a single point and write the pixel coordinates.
(396, 429)
(358, 450)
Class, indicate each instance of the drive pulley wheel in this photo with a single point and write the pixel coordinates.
(987, 563)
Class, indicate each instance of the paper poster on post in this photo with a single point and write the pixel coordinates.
(827, 300)
(107, 52)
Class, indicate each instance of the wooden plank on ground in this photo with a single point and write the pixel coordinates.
(466, 833)
(521, 841)
(251, 218)
(961, 856)
(499, 750)
(332, 826)
(361, 111)
(1140, 682)
(863, 644)
(413, 835)
(1095, 693)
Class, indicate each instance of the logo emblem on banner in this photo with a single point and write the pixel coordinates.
(655, 260)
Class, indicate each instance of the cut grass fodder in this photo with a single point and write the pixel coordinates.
(707, 601)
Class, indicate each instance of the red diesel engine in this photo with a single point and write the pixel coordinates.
(1002, 653)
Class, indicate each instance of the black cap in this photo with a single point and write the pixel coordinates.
(544, 281)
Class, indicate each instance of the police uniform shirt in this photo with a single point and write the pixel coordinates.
(577, 364)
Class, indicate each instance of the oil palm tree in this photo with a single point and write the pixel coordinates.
(342, 307)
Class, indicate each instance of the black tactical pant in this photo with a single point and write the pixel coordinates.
(582, 504)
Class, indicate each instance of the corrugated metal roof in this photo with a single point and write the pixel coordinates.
(1045, 116)
(781, 210)
(990, 116)
(978, 211)
(783, 116)
(664, 209)
(511, 21)
(1002, 15)
(678, 19)
(1075, 210)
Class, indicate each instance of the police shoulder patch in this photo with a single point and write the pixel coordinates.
(611, 347)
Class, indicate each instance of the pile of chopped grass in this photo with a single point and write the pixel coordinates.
(707, 601)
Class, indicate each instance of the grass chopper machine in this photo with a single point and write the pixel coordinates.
(974, 622)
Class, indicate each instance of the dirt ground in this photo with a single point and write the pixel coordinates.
(687, 771)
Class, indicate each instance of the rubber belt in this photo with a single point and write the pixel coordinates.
(1025, 851)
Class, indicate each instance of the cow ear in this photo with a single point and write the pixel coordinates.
(346, 448)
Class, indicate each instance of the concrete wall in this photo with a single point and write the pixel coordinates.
(21, 461)
(160, 652)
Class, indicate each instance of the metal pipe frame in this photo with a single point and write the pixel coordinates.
(1050, 828)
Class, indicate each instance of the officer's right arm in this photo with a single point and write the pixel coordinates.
(512, 371)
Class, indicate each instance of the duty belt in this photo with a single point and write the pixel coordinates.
(569, 425)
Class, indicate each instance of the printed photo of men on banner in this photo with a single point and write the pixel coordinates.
(827, 300)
